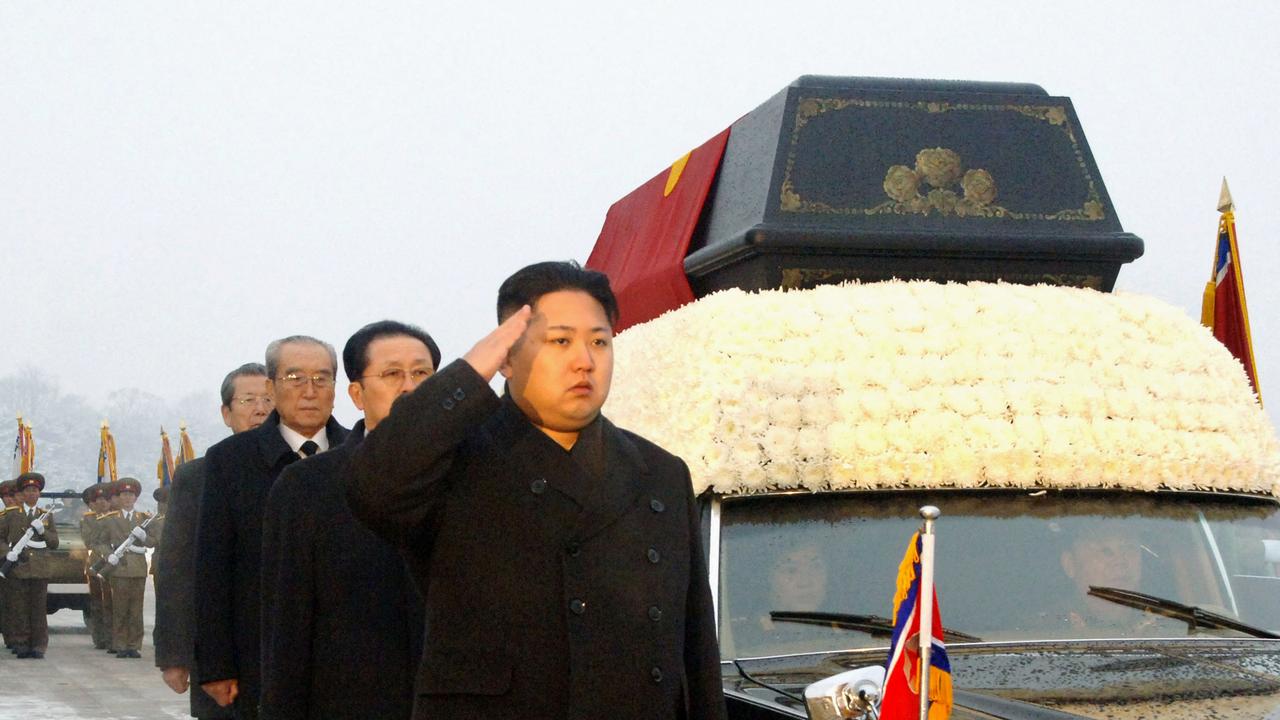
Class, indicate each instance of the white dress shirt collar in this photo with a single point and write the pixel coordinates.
(295, 439)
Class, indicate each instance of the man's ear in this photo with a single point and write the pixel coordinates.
(356, 392)
(226, 416)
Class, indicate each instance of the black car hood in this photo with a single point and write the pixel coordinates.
(1097, 679)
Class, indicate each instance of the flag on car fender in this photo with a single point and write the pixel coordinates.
(900, 696)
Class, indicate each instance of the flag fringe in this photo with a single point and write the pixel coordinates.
(940, 700)
(906, 574)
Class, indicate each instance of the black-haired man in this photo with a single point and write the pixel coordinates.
(241, 470)
(560, 556)
(246, 403)
(341, 620)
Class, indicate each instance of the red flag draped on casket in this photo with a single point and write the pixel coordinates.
(646, 236)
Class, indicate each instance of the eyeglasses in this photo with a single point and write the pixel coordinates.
(248, 400)
(396, 376)
(297, 380)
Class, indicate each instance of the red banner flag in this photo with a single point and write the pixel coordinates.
(646, 236)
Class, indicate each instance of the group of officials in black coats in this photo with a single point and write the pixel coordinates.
(456, 554)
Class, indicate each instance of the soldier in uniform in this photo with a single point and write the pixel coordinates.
(9, 495)
(99, 622)
(30, 578)
(128, 575)
(110, 502)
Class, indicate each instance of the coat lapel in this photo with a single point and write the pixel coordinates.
(624, 480)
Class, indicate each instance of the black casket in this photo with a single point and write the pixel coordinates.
(839, 178)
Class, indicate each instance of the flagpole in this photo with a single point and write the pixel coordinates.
(930, 514)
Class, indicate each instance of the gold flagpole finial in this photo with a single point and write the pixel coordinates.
(102, 425)
(1225, 203)
(182, 424)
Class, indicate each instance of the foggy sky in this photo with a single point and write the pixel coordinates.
(182, 182)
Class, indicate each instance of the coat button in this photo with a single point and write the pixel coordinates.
(657, 505)
(447, 404)
(458, 394)
(573, 550)
(577, 607)
(538, 486)
(653, 556)
(655, 613)
(656, 674)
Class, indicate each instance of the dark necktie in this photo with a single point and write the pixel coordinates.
(310, 448)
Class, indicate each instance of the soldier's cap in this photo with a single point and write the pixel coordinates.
(161, 494)
(109, 489)
(91, 493)
(128, 485)
(26, 480)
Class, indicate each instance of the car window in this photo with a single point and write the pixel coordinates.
(1010, 565)
(67, 511)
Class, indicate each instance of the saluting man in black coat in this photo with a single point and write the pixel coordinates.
(565, 577)
(246, 403)
(240, 471)
(341, 619)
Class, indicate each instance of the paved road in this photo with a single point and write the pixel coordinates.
(76, 682)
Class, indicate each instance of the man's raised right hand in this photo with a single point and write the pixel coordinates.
(490, 354)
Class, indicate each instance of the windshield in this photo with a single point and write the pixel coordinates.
(1010, 565)
(67, 510)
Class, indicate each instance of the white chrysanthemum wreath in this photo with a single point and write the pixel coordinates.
(917, 384)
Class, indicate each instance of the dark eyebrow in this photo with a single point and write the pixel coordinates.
(571, 328)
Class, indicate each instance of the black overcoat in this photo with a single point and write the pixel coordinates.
(240, 472)
(341, 620)
(548, 595)
(175, 630)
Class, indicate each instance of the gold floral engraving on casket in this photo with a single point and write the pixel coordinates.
(942, 170)
(902, 183)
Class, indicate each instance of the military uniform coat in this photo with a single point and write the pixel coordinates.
(99, 622)
(33, 562)
(551, 592)
(174, 565)
(27, 587)
(128, 580)
(341, 620)
(114, 529)
(240, 471)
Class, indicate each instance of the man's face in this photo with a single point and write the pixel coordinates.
(30, 495)
(1105, 559)
(560, 370)
(127, 499)
(250, 403)
(303, 402)
(798, 580)
(10, 500)
(100, 504)
(113, 502)
(396, 365)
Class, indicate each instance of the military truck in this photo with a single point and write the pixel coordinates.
(68, 588)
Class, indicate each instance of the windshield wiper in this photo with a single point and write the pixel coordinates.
(870, 624)
(1192, 615)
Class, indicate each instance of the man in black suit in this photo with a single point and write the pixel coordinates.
(246, 403)
(240, 472)
(341, 619)
(561, 556)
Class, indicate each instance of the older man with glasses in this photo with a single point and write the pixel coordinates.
(241, 470)
(341, 619)
(246, 403)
